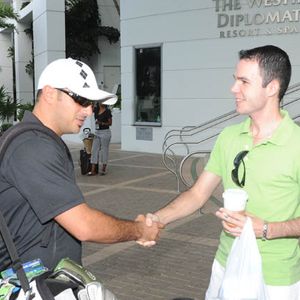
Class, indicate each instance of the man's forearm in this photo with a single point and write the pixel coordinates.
(88, 224)
(289, 228)
(191, 200)
(262, 228)
(112, 230)
(185, 204)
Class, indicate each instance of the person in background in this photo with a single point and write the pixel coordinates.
(261, 156)
(100, 147)
(43, 206)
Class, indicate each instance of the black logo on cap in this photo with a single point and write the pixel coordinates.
(79, 63)
(82, 73)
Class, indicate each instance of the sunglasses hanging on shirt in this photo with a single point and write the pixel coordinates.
(235, 172)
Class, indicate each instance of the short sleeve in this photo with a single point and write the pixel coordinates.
(39, 169)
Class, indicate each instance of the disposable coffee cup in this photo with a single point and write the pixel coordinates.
(235, 199)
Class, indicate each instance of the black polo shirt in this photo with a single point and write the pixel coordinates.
(37, 183)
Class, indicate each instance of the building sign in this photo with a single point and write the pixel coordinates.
(144, 133)
(244, 18)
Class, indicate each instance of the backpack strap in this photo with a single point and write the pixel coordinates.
(22, 127)
(5, 140)
(16, 263)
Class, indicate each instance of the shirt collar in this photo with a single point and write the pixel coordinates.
(281, 134)
(30, 117)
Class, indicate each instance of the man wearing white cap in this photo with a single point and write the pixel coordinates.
(43, 207)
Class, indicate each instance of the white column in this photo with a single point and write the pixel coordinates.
(23, 49)
(49, 33)
(5, 62)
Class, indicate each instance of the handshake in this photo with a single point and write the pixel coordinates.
(149, 227)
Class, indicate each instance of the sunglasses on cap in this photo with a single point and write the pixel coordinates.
(78, 99)
(235, 172)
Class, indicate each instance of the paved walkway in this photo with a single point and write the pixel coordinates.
(179, 265)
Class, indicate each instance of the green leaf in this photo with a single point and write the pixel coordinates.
(7, 105)
(6, 13)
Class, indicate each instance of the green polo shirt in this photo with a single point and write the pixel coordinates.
(273, 186)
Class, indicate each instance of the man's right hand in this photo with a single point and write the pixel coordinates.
(149, 228)
(151, 221)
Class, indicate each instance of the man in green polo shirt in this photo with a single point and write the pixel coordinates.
(266, 152)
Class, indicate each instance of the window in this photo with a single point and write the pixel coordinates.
(148, 84)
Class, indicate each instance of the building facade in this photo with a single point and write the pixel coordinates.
(189, 49)
(47, 43)
(177, 58)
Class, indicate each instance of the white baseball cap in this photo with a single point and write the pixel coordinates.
(77, 77)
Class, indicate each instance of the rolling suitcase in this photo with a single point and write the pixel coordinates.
(85, 162)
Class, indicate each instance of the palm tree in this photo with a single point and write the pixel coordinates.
(7, 105)
(6, 12)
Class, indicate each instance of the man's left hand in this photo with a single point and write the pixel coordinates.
(233, 222)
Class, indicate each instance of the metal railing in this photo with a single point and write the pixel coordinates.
(186, 139)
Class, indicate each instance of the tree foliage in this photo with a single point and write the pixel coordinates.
(22, 108)
(7, 105)
(6, 12)
(83, 27)
(111, 33)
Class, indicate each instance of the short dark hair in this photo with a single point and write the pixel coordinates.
(38, 95)
(274, 63)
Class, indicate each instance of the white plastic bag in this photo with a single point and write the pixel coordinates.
(95, 291)
(64, 295)
(243, 278)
